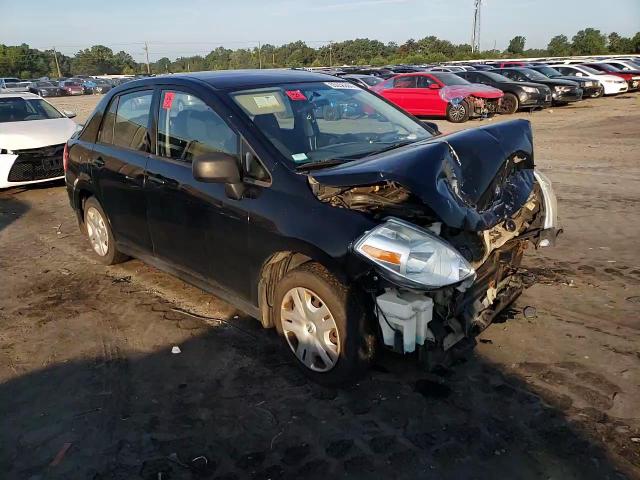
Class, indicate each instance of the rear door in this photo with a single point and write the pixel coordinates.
(118, 162)
(194, 225)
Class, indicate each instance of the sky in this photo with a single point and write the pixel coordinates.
(194, 27)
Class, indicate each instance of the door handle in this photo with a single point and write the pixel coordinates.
(98, 162)
(157, 180)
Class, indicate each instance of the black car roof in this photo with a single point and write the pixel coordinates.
(225, 79)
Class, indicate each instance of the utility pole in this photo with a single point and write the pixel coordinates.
(146, 51)
(331, 53)
(475, 35)
(55, 56)
(273, 59)
(260, 55)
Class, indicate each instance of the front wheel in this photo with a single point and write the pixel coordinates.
(599, 93)
(99, 234)
(458, 113)
(509, 104)
(324, 325)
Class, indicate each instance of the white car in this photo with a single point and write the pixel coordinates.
(32, 137)
(611, 83)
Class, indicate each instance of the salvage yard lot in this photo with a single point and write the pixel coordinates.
(89, 387)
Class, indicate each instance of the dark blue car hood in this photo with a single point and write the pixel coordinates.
(471, 180)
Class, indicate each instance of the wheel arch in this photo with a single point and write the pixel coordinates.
(276, 267)
(81, 192)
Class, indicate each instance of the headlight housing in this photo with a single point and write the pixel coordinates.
(411, 256)
(549, 200)
(560, 89)
(530, 89)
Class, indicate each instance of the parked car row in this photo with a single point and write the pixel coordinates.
(462, 91)
(44, 87)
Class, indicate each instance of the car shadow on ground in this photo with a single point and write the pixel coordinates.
(233, 405)
(11, 209)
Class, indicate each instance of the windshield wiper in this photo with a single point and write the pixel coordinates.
(393, 146)
(322, 163)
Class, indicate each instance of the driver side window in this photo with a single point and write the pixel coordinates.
(424, 82)
(188, 127)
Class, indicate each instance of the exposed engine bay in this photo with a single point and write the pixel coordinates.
(447, 255)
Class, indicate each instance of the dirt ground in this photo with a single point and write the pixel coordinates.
(90, 389)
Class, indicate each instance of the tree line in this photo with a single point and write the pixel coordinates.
(25, 62)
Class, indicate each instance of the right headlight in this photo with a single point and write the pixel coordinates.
(530, 89)
(412, 256)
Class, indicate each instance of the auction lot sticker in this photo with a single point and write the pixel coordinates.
(342, 85)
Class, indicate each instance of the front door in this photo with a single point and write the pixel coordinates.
(424, 100)
(194, 225)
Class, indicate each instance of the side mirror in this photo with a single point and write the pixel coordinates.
(579, 74)
(218, 167)
(69, 113)
(434, 86)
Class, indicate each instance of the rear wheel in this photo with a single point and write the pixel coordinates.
(599, 93)
(458, 113)
(509, 104)
(99, 233)
(324, 325)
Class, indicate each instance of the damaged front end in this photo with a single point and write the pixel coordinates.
(456, 214)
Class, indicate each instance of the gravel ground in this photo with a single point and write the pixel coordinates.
(90, 389)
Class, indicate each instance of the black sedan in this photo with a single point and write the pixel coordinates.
(517, 95)
(44, 89)
(563, 91)
(347, 236)
(590, 88)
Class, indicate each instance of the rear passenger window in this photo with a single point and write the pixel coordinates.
(132, 120)
(405, 82)
(106, 132)
(187, 127)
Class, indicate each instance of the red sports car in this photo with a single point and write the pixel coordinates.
(440, 95)
(632, 77)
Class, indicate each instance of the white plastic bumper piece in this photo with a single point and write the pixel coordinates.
(407, 315)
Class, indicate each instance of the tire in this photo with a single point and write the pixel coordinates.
(98, 231)
(510, 104)
(458, 113)
(599, 93)
(348, 342)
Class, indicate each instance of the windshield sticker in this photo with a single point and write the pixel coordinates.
(342, 85)
(168, 100)
(299, 157)
(266, 101)
(295, 95)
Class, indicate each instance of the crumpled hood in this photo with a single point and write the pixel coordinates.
(35, 133)
(451, 92)
(472, 180)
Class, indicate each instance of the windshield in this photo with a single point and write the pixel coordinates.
(44, 84)
(607, 67)
(449, 78)
(372, 81)
(548, 71)
(496, 77)
(327, 121)
(533, 75)
(16, 109)
(590, 70)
